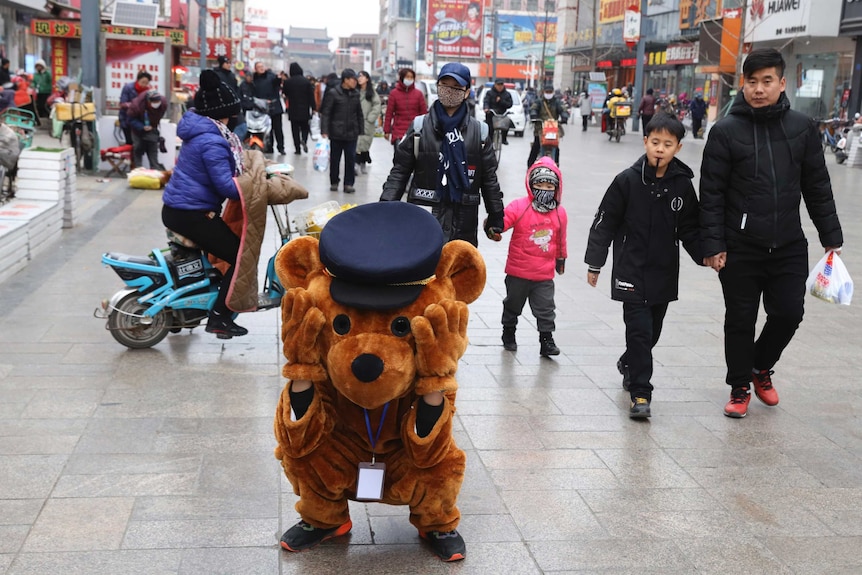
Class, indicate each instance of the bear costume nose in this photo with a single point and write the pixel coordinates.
(367, 367)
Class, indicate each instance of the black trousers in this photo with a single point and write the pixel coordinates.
(586, 121)
(643, 328)
(696, 123)
(540, 294)
(278, 132)
(42, 105)
(213, 236)
(778, 276)
(299, 130)
(337, 148)
(644, 121)
(146, 145)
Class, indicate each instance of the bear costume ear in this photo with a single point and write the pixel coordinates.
(462, 266)
(297, 262)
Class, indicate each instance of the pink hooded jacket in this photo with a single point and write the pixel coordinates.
(537, 239)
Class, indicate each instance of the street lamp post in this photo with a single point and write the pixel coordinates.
(544, 41)
(637, 92)
(494, 53)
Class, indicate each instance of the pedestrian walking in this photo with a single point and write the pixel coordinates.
(341, 121)
(647, 210)
(759, 163)
(697, 108)
(267, 86)
(586, 108)
(537, 250)
(299, 94)
(144, 115)
(370, 103)
(449, 163)
(405, 103)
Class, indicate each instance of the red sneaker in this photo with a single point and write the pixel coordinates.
(762, 381)
(737, 407)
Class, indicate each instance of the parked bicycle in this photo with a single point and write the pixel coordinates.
(17, 127)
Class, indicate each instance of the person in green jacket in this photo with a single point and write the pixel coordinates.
(42, 84)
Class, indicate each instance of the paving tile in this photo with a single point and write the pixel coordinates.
(230, 561)
(720, 555)
(623, 501)
(813, 554)
(182, 534)
(571, 520)
(88, 524)
(645, 468)
(12, 537)
(157, 562)
(610, 556)
(29, 476)
(205, 506)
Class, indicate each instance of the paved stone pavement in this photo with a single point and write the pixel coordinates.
(160, 461)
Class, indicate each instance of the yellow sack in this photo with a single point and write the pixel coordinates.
(145, 179)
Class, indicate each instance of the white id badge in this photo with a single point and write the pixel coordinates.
(369, 483)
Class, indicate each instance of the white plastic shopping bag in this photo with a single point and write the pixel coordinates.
(314, 126)
(830, 280)
(321, 155)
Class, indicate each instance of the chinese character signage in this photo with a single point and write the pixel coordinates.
(523, 34)
(782, 19)
(614, 10)
(455, 28)
(72, 29)
(685, 53)
(215, 47)
(59, 57)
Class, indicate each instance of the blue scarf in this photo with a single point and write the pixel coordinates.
(452, 180)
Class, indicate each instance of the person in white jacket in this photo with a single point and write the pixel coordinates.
(586, 107)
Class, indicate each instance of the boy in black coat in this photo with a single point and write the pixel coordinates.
(646, 211)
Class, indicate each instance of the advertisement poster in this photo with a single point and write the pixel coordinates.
(523, 34)
(123, 59)
(455, 26)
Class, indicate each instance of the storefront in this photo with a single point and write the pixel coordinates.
(851, 26)
(819, 64)
(16, 43)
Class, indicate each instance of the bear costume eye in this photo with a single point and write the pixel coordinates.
(400, 326)
(341, 324)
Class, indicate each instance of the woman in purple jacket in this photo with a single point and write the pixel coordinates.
(202, 180)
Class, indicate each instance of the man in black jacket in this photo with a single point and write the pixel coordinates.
(268, 87)
(497, 100)
(758, 163)
(455, 174)
(300, 105)
(342, 122)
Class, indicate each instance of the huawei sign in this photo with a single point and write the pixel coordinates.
(757, 7)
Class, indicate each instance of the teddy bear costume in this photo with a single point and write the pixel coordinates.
(375, 316)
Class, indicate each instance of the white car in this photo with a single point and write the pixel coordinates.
(516, 113)
(429, 90)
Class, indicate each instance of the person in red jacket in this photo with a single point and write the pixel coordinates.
(405, 103)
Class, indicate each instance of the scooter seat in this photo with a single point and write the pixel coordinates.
(141, 260)
(180, 239)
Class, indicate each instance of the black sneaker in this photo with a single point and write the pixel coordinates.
(333, 187)
(509, 343)
(547, 347)
(304, 536)
(624, 371)
(448, 546)
(305, 147)
(224, 327)
(640, 408)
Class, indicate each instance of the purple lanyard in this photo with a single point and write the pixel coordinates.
(379, 429)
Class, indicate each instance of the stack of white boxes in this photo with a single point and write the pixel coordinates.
(44, 200)
(49, 175)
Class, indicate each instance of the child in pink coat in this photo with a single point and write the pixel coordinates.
(537, 249)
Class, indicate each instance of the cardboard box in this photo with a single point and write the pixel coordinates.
(65, 111)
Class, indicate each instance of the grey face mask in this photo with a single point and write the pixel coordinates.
(544, 200)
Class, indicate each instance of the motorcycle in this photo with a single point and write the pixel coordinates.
(259, 126)
(173, 289)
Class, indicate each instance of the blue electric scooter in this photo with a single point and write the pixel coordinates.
(173, 289)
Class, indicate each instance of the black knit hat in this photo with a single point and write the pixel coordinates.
(214, 98)
(348, 73)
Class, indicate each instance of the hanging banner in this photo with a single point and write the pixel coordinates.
(72, 29)
(59, 57)
(455, 28)
(632, 26)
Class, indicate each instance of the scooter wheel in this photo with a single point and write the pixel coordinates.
(125, 324)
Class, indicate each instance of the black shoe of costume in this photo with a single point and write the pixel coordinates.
(224, 327)
(640, 408)
(509, 343)
(547, 347)
(448, 546)
(304, 536)
(624, 371)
